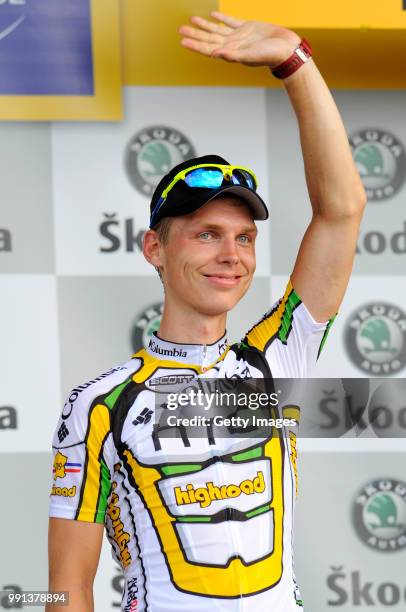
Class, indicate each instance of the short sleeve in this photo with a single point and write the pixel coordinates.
(82, 465)
(289, 337)
(80, 475)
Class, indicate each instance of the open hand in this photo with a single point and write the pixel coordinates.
(253, 43)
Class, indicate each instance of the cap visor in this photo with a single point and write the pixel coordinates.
(254, 202)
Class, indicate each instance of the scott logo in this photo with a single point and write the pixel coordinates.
(171, 379)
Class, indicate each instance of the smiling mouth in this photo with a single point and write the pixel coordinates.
(225, 280)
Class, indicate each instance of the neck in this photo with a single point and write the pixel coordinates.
(190, 327)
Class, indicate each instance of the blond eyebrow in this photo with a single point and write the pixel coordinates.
(247, 229)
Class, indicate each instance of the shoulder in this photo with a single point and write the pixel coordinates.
(287, 318)
(74, 418)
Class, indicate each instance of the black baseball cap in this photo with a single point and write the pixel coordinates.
(183, 199)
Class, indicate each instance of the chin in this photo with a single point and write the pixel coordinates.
(215, 307)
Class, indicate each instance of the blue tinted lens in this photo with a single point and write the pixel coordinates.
(241, 177)
(204, 177)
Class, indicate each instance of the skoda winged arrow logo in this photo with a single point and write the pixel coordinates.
(381, 161)
(375, 338)
(152, 152)
(146, 323)
(379, 514)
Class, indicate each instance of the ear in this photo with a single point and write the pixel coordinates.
(151, 248)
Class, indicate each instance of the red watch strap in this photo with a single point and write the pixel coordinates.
(299, 57)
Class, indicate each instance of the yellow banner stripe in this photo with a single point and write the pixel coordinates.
(152, 54)
(321, 14)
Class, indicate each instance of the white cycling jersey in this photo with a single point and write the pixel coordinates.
(197, 523)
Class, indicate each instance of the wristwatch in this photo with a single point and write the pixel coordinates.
(300, 56)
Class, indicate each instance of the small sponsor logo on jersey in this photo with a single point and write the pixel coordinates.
(375, 338)
(381, 162)
(171, 352)
(206, 495)
(120, 536)
(222, 346)
(132, 595)
(75, 393)
(144, 417)
(379, 514)
(63, 491)
(62, 466)
(152, 152)
(8, 417)
(170, 379)
(146, 323)
(63, 432)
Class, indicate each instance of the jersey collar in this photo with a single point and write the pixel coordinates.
(198, 354)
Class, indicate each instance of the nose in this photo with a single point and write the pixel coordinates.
(228, 251)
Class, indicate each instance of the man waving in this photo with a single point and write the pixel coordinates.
(204, 523)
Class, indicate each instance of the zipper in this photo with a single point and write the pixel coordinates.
(203, 366)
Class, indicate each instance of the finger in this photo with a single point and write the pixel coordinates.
(232, 22)
(199, 47)
(209, 26)
(225, 54)
(189, 32)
